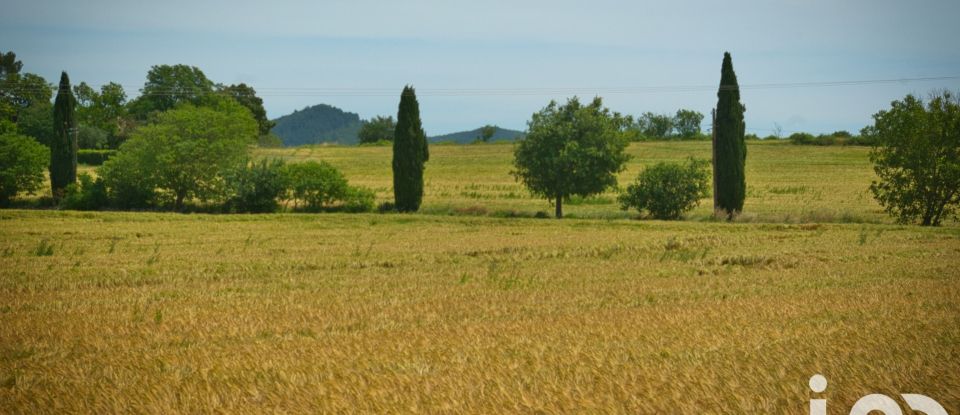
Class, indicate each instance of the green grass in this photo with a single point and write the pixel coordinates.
(476, 307)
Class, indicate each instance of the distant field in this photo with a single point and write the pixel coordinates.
(111, 312)
(785, 182)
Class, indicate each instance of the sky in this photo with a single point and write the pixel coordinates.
(498, 62)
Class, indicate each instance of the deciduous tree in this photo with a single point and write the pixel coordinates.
(916, 156)
(183, 155)
(377, 129)
(571, 149)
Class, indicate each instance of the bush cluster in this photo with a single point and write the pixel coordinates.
(253, 187)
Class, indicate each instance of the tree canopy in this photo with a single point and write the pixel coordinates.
(170, 85)
(22, 161)
(916, 156)
(247, 96)
(18, 91)
(181, 156)
(571, 149)
(377, 129)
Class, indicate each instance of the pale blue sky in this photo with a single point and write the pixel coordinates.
(484, 45)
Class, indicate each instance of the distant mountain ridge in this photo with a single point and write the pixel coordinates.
(318, 124)
(465, 137)
(324, 123)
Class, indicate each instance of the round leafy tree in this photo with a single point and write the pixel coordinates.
(22, 161)
(916, 156)
(571, 149)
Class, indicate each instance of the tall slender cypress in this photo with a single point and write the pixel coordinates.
(63, 147)
(729, 148)
(410, 152)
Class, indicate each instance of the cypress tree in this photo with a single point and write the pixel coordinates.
(63, 147)
(729, 148)
(410, 152)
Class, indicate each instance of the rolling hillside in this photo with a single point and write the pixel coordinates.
(318, 124)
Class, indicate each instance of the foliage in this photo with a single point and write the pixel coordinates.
(129, 175)
(104, 110)
(571, 149)
(22, 161)
(86, 194)
(377, 129)
(183, 154)
(486, 133)
(168, 86)
(314, 185)
(917, 158)
(318, 124)
(687, 123)
(836, 138)
(19, 91)
(684, 125)
(802, 138)
(247, 96)
(91, 138)
(655, 126)
(63, 147)
(410, 153)
(359, 200)
(94, 157)
(37, 121)
(255, 187)
(730, 149)
(269, 140)
(667, 190)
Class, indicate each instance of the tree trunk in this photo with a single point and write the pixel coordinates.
(178, 204)
(559, 207)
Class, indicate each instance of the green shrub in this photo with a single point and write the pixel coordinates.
(94, 157)
(359, 200)
(86, 194)
(802, 138)
(90, 137)
(255, 187)
(22, 163)
(667, 190)
(314, 185)
(129, 178)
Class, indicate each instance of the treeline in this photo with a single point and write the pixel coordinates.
(183, 145)
(105, 116)
(684, 125)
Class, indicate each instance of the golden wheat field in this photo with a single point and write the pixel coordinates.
(461, 310)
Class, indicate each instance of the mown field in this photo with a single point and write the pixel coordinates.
(435, 313)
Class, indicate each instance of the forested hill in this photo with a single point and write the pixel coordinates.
(463, 137)
(318, 124)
